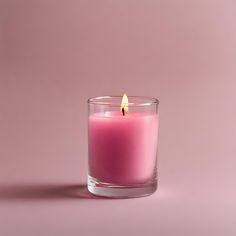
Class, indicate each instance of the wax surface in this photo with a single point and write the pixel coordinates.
(122, 149)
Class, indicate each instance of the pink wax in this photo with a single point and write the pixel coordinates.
(122, 149)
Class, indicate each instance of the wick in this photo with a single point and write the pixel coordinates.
(123, 111)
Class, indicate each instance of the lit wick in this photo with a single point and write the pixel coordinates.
(123, 111)
(124, 104)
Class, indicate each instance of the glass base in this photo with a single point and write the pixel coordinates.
(119, 191)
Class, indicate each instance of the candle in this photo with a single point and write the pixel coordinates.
(122, 148)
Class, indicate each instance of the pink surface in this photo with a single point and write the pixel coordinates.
(122, 149)
(56, 54)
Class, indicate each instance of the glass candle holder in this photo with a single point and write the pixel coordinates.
(122, 146)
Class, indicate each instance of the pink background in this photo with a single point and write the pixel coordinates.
(56, 54)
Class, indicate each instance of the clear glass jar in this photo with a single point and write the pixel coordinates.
(122, 146)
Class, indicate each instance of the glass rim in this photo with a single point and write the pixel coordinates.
(148, 101)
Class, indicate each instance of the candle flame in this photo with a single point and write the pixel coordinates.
(124, 103)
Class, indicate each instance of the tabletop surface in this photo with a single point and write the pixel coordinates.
(57, 54)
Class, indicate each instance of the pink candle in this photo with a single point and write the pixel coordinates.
(122, 146)
(122, 149)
